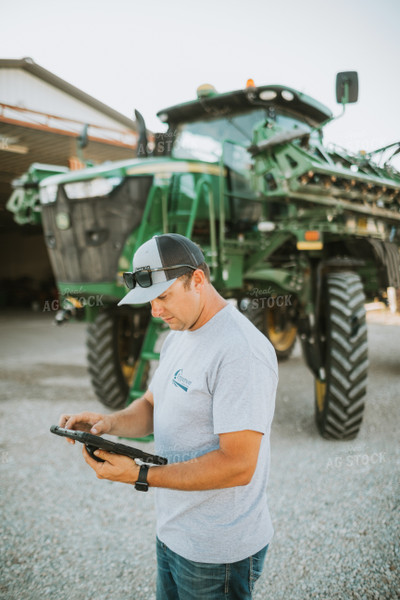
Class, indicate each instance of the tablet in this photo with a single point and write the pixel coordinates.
(93, 442)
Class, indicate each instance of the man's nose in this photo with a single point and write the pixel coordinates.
(156, 309)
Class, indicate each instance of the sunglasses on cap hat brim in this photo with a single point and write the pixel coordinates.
(143, 277)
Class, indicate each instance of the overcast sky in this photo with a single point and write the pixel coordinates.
(153, 54)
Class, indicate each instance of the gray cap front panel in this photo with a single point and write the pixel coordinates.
(148, 257)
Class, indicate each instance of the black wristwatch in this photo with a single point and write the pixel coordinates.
(141, 485)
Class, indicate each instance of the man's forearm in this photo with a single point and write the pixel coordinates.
(134, 421)
(233, 464)
(210, 471)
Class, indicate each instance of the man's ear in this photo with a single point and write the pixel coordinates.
(198, 279)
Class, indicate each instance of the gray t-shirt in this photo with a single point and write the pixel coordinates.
(217, 379)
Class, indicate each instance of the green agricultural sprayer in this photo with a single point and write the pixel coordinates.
(297, 234)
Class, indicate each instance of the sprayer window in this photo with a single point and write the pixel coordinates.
(202, 140)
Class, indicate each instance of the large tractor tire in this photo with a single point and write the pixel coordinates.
(114, 341)
(339, 396)
(278, 323)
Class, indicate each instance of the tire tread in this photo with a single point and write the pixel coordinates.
(346, 358)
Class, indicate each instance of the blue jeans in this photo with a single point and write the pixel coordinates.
(182, 579)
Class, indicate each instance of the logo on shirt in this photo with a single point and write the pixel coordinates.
(180, 381)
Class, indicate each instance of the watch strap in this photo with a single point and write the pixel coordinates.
(141, 484)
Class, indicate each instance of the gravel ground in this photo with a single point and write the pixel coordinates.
(68, 536)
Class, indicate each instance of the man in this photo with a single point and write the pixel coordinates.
(210, 405)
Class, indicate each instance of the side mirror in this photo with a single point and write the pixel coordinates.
(347, 87)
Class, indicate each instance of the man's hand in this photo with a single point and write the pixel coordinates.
(95, 423)
(115, 468)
